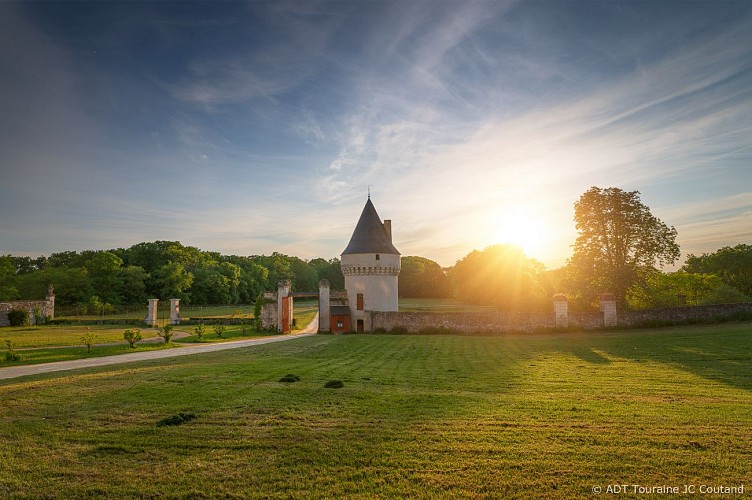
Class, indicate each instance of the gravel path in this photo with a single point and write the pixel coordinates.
(184, 350)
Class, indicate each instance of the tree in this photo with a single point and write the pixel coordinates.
(8, 279)
(104, 270)
(174, 281)
(619, 243)
(330, 270)
(134, 284)
(731, 264)
(502, 276)
(422, 278)
(682, 289)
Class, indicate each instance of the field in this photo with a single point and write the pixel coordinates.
(544, 416)
(50, 343)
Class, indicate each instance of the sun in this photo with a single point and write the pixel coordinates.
(522, 228)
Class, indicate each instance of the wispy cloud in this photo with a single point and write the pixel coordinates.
(673, 117)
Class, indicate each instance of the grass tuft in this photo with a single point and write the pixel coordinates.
(178, 419)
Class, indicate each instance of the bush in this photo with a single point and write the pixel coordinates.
(132, 336)
(219, 330)
(18, 317)
(334, 384)
(399, 330)
(88, 340)
(439, 330)
(289, 378)
(11, 355)
(166, 333)
(178, 419)
(199, 331)
(39, 318)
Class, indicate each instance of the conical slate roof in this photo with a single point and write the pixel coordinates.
(370, 236)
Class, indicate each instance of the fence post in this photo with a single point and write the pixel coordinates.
(175, 317)
(608, 308)
(151, 316)
(561, 310)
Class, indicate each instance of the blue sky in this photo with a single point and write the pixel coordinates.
(253, 127)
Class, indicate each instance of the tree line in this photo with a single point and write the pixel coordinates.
(160, 269)
(621, 248)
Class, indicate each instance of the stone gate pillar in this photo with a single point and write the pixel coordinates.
(51, 301)
(283, 290)
(175, 317)
(608, 308)
(324, 310)
(561, 310)
(151, 316)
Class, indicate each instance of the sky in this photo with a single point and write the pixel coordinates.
(256, 127)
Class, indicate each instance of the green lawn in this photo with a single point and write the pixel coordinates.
(53, 354)
(515, 416)
(64, 335)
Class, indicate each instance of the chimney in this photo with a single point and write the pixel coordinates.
(388, 228)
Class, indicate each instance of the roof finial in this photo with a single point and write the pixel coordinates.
(369, 191)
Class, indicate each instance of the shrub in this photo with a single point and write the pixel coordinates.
(439, 330)
(166, 333)
(219, 330)
(39, 318)
(88, 340)
(289, 378)
(177, 419)
(334, 384)
(199, 331)
(11, 355)
(18, 317)
(96, 306)
(399, 330)
(132, 336)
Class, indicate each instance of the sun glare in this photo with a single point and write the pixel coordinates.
(523, 229)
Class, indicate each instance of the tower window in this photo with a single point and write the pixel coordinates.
(360, 302)
(378, 257)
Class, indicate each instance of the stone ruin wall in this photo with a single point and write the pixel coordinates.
(488, 322)
(690, 314)
(46, 308)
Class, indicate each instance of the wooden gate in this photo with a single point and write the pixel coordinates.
(286, 311)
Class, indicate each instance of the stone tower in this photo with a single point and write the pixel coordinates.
(370, 264)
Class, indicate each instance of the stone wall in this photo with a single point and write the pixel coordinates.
(678, 315)
(269, 311)
(46, 308)
(487, 322)
(470, 322)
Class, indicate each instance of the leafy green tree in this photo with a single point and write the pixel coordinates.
(25, 265)
(423, 278)
(732, 264)
(502, 276)
(104, 269)
(133, 289)
(278, 267)
(304, 277)
(8, 279)
(330, 270)
(174, 281)
(619, 242)
(681, 289)
(72, 285)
